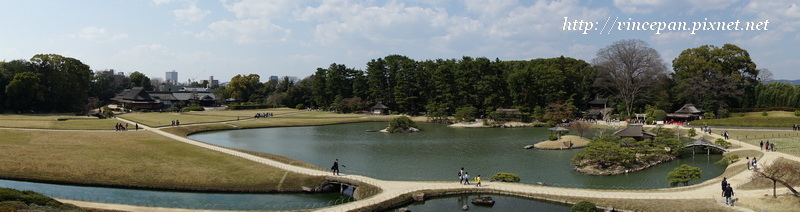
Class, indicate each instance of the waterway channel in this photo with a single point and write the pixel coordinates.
(436, 154)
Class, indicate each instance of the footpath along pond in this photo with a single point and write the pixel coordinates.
(436, 154)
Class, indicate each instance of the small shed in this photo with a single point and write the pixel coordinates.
(635, 131)
(379, 109)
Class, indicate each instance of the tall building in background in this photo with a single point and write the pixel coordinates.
(172, 77)
(273, 77)
(212, 82)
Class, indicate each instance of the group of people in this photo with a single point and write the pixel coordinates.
(706, 129)
(727, 191)
(752, 164)
(463, 178)
(124, 127)
(768, 146)
(176, 122)
(725, 135)
(796, 127)
(262, 115)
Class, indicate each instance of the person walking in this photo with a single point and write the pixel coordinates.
(766, 146)
(478, 180)
(761, 145)
(724, 183)
(772, 146)
(335, 167)
(727, 192)
(137, 126)
(748, 162)
(466, 178)
(755, 163)
(461, 176)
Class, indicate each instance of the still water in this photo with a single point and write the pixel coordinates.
(502, 203)
(191, 200)
(438, 152)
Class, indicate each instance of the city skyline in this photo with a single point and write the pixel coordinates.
(293, 38)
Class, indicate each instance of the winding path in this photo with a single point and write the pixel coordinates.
(393, 189)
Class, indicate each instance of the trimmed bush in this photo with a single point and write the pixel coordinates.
(764, 113)
(401, 124)
(708, 115)
(193, 108)
(300, 106)
(505, 177)
(553, 137)
(583, 206)
(692, 132)
(797, 113)
(723, 143)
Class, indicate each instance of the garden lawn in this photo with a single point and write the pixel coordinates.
(754, 119)
(785, 141)
(165, 119)
(51, 121)
(137, 159)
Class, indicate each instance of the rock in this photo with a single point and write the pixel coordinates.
(403, 210)
(528, 146)
(307, 189)
(465, 207)
(483, 201)
(419, 197)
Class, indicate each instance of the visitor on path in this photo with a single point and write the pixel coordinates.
(772, 146)
(748, 162)
(724, 183)
(466, 178)
(766, 146)
(137, 126)
(177, 122)
(755, 163)
(478, 180)
(461, 176)
(761, 145)
(727, 192)
(335, 167)
(173, 123)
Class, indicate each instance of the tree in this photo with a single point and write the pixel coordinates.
(628, 69)
(605, 151)
(25, 92)
(581, 127)
(684, 174)
(140, 80)
(65, 82)
(558, 112)
(781, 171)
(401, 124)
(715, 78)
(242, 88)
(776, 94)
(466, 114)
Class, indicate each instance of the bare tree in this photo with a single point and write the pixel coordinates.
(628, 69)
(581, 127)
(765, 76)
(781, 171)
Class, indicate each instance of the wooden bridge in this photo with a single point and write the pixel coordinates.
(705, 143)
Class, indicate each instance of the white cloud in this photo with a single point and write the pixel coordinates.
(583, 52)
(674, 37)
(97, 34)
(247, 31)
(161, 1)
(640, 6)
(261, 9)
(191, 14)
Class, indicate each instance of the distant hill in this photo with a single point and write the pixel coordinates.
(794, 82)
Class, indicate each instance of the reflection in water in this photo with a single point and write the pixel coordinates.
(192, 200)
(438, 152)
(502, 203)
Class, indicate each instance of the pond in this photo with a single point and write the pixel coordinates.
(191, 200)
(502, 203)
(438, 152)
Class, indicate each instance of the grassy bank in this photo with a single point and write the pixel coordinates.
(135, 159)
(785, 141)
(753, 119)
(165, 119)
(51, 121)
(16, 200)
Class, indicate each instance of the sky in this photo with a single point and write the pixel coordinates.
(223, 38)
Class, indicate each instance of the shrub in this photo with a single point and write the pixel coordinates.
(107, 113)
(583, 206)
(300, 106)
(505, 177)
(684, 174)
(172, 109)
(193, 108)
(723, 143)
(797, 113)
(659, 115)
(401, 124)
(764, 113)
(550, 123)
(692, 132)
(395, 113)
(708, 115)
(728, 159)
(465, 114)
(553, 137)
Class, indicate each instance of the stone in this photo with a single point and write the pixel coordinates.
(403, 210)
(419, 197)
(465, 208)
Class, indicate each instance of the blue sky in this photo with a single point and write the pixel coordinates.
(284, 37)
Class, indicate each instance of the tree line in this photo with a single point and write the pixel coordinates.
(629, 73)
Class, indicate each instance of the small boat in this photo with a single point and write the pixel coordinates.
(486, 201)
